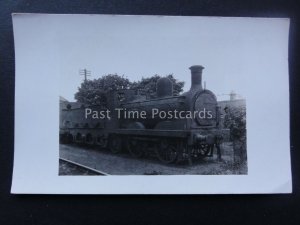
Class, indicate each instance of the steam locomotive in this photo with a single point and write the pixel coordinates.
(192, 133)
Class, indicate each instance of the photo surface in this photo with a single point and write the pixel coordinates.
(124, 104)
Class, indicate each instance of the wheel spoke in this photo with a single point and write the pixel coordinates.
(167, 151)
(135, 148)
(116, 145)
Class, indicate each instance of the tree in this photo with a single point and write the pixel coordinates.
(235, 120)
(148, 85)
(94, 91)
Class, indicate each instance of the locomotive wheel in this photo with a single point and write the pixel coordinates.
(101, 141)
(89, 139)
(69, 138)
(66, 138)
(78, 138)
(115, 144)
(167, 152)
(63, 138)
(203, 150)
(135, 148)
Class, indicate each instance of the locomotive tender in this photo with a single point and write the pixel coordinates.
(193, 132)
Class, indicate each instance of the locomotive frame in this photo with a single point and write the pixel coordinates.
(170, 141)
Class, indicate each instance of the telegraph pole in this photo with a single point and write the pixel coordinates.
(86, 73)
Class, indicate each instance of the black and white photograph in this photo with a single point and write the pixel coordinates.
(150, 127)
(124, 101)
(142, 107)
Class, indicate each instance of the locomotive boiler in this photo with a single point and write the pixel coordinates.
(198, 105)
(173, 128)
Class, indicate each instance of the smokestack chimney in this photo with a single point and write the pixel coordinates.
(196, 72)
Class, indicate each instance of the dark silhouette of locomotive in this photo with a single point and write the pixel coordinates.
(170, 138)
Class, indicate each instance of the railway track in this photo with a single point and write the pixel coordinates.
(97, 172)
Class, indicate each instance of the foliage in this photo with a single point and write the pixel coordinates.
(235, 119)
(148, 85)
(94, 91)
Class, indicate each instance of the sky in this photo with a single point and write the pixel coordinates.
(234, 51)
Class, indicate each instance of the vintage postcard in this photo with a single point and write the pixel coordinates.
(111, 104)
